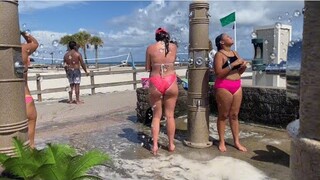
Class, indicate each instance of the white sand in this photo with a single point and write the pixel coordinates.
(85, 80)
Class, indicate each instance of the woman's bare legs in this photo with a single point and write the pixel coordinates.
(224, 100)
(156, 103)
(32, 118)
(233, 119)
(170, 100)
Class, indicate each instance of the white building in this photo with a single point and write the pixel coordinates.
(275, 47)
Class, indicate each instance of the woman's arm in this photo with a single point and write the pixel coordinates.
(31, 45)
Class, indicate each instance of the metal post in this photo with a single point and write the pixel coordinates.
(93, 89)
(51, 59)
(198, 77)
(13, 120)
(134, 79)
(39, 87)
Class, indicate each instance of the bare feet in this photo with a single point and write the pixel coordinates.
(70, 101)
(171, 148)
(154, 150)
(31, 145)
(79, 102)
(222, 147)
(240, 147)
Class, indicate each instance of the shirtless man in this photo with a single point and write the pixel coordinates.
(72, 61)
(26, 50)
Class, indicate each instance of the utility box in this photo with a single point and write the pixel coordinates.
(275, 40)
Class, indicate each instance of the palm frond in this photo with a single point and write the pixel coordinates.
(88, 177)
(19, 149)
(62, 152)
(58, 157)
(22, 164)
(50, 171)
(20, 168)
(81, 164)
(3, 158)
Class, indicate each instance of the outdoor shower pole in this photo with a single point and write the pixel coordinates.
(198, 77)
(305, 135)
(13, 121)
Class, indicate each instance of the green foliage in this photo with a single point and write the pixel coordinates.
(66, 39)
(96, 41)
(83, 39)
(55, 162)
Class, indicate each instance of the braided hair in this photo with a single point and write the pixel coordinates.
(163, 35)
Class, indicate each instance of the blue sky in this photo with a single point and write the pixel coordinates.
(129, 25)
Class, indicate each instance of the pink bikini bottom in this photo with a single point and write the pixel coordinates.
(28, 99)
(162, 84)
(230, 85)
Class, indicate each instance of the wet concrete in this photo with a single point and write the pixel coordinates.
(128, 143)
(104, 122)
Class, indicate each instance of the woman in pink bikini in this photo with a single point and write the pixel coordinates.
(228, 67)
(26, 50)
(163, 89)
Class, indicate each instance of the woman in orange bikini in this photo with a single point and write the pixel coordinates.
(228, 67)
(26, 50)
(160, 58)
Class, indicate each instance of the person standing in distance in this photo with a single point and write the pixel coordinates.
(72, 62)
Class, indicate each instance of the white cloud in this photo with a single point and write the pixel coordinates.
(26, 6)
(135, 30)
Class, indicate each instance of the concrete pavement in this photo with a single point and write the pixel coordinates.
(108, 122)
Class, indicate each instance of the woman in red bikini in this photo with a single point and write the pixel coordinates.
(26, 50)
(163, 89)
(228, 67)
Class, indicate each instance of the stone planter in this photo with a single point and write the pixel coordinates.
(263, 105)
(144, 112)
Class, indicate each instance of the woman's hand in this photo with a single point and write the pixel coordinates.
(237, 62)
(243, 67)
(244, 64)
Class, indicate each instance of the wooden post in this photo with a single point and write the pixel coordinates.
(39, 87)
(93, 89)
(134, 79)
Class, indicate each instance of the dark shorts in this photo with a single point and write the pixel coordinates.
(74, 76)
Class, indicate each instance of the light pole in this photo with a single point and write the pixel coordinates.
(51, 59)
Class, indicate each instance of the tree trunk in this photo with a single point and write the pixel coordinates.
(85, 54)
(310, 77)
(96, 55)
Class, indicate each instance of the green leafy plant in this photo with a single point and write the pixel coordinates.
(55, 162)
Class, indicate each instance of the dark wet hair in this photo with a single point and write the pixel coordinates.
(163, 35)
(73, 45)
(217, 41)
(174, 42)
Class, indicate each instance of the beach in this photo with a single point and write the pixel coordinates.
(85, 80)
